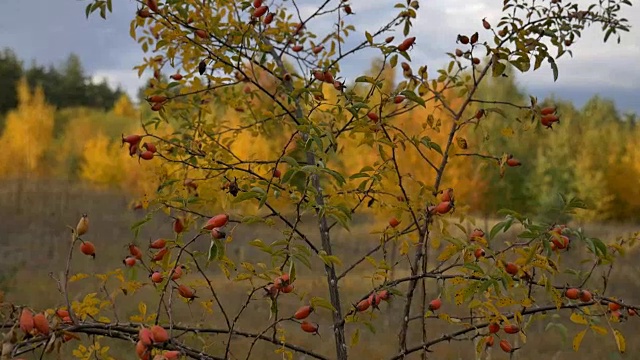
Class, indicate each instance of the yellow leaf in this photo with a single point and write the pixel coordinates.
(459, 296)
(620, 341)
(508, 132)
(457, 280)
(578, 319)
(404, 248)
(208, 306)
(599, 329)
(104, 319)
(435, 242)
(243, 276)
(518, 317)
(557, 298)
(448, 252)
(578, 339)
(523, 337)
(77, 277)
(503, 302)
(526, 302)
(475, 303)
(355, 338)
(142, 308)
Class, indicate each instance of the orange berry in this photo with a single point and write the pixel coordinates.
(153, 5)
(156, 277)
(505, 346)
(130, 261)
(406, 44)
(447, 195)
(443, 208)
(142, 351)
(177, 272)
(435, 304)
(217, 221)
(511, 329)
(493, 327)
(393, 222)
(489, 341)
(145, 336)
(585, 296)
(303, 312)
(41, 324)
(186, 293)
(258, 12)
(269, 18)
(309, 327)
(476, 234)
(201, 34)
(158, 256)
(572, 293)
(150, 147)
(157, 98)
(363, 305)
(160, 335)
(547, 111)
(178, 225)
(513, 162)
(511, 268)
(614, 306)
(88, 249)
(135, 251)
(158, 244)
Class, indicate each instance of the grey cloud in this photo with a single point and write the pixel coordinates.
(59, 28)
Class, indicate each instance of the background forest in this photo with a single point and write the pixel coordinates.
(56, 124)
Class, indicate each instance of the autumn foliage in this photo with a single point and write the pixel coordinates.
(254, 124)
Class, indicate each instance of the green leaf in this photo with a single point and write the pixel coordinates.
(244, 196)
(369, 37)
(474, 267)
(213, 251)
(329, 259)
(289, 160)
(496, 229)
(498, 68)
(600, 246)
(554, 68)
(336, 175)
(292, 271)
(365, 79)
(318, 302)
(394, 60)
(414, 97)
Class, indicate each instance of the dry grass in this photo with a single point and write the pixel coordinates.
(35, 241)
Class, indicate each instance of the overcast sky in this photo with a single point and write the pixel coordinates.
(59, 27)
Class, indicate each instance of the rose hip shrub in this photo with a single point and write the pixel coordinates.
(307, 123)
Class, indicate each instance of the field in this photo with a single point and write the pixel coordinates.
(34, 246)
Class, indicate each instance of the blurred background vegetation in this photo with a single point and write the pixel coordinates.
(54, 123)
(62, 156)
